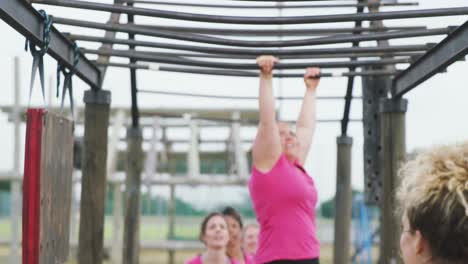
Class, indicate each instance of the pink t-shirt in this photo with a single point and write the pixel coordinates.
(284, 200)
(249, 259)
(198, 260)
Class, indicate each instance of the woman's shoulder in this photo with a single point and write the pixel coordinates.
(279, 162)
(233, 261)
(194, 260)
(249, 259)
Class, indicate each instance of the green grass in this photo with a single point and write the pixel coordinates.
(161, 257)
(151, 228)
(156, 228)
(5, 228)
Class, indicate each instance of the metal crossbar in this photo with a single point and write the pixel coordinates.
(353, 17)
(26, 20)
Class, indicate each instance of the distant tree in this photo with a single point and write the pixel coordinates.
(5, 186)
(245, 207)
(327, 209)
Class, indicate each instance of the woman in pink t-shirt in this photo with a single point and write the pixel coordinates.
(214, 234)
(250, 238)
(234, 247)
(283, 194)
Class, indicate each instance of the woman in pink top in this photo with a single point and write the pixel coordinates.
(250, 239)
(283, 194)
(234, 247)
(214, 234)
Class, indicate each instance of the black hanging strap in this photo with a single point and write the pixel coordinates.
(67, 83)
(38, 55)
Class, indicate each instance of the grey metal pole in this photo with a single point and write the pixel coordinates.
(131, 252)
(373, 88)
(270, 6)
(343, 195)
(393, 155)
(379, 141)
(343, 201)
(117, 233)
(131, 248)
(333, 39)
(142, 56)
(289, 57)
(93, 187)
(244, 73)
(113, 19)
(255, 52)
(257, 32)
(350, 85)
(16, 185)
(238, 97)
(117, 243)
(172, 216)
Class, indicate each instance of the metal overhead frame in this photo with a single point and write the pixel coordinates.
(237, 73)
(113, 19)
(333, 39)
(353, 17)
(245, 121)
(272, 32)
(236, 97)
(449, 50)
(350, 84)
(283, 1)
(268, 6)
(373, 89)
(26, 20)
(200, 141)
(256, 52)
(135, 113)
(285, 57)
(142, 56)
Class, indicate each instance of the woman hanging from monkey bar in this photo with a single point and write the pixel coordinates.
(283, 194)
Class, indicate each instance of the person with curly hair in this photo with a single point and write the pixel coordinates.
(433, 199)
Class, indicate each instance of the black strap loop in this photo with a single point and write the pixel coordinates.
(38, 54)
(67, 83)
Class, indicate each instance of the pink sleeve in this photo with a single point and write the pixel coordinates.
(249, 259)
(194, 260)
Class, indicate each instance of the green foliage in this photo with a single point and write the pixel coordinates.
(327, 209)
(155, 205)
(246, 207)
(5, 198)
(210, 163)
(5, 203)
(5, 185)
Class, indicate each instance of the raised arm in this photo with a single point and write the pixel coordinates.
(267, 147)
(305, 125)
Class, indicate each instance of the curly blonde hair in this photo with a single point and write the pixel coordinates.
(434, 196)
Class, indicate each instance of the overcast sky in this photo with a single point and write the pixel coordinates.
(436, 114)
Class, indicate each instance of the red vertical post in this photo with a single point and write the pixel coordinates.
(31, 186)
